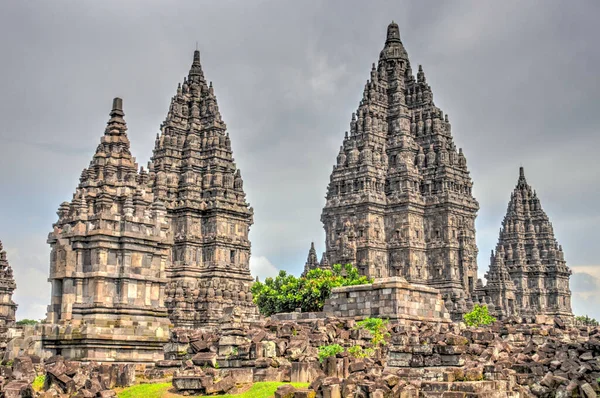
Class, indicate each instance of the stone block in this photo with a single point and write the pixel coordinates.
(205, 359)
(300, 372)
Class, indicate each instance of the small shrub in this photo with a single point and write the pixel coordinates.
(38, 383)
(378, 329)
(326, 351)
(479, 316)
(358, 352)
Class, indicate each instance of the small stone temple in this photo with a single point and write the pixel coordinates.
(7, 287)
(194, 174)
(110, 250)
(528, 274)
(399, 200)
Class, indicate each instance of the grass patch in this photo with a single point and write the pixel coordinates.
(38, 383)
(161, 390)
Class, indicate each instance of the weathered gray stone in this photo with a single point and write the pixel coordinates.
(110, 247)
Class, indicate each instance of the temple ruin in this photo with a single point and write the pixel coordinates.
(137, 251)
(110, 249)
(8, 307)
(194, 174)
(528, 274)
(399, 201)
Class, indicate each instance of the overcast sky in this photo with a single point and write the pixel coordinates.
(518, 79)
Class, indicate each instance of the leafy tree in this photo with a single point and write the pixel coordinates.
(285, 293)
(24, 322)
(586, 321)
(326, 351)
(479, 316)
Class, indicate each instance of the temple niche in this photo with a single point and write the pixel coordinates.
(399, 201)
(194, 174)
(528, 273)
(109, 252)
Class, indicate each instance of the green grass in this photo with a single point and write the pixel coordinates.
(156, 390)
(159, 390)
(38, 383)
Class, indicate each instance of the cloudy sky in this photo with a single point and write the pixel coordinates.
(519, 81)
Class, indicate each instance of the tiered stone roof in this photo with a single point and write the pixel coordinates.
(110, 247)
(399, 201)
(7, 287)
(529, 253)
(194, 173)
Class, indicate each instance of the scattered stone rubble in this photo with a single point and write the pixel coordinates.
(422, 359)
(64, 378)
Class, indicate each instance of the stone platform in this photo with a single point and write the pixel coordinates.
(391, 298)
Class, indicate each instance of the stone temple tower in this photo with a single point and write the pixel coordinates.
(7, 287)
(399, 201)
(109, 253)
(195, 175)
(528, 252)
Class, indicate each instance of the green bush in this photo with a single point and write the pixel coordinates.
(479, 316)
(38, 383)
(326, 351)
(286, 293)
(358, 352)
(24, 322)
(378, 329)
(586, 321)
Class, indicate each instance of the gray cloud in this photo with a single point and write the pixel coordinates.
(518, 79)
(582, 282)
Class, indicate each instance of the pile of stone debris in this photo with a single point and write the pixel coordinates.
(63, 378)
(544, 359)
(427, 360)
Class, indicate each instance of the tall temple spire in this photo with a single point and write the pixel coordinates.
(109, 247)
(399, 201)
(529, 251)
(7, 287)
(312, 261)
(193, 172)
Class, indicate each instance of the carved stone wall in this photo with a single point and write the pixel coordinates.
(528, 273)
(194, 173)
(8, 307)
(399, 201)
(110, 249)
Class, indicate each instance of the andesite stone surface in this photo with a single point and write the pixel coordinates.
(8, 307)
(399, 201)
(110, 248)
(528, 274)
(194, 174)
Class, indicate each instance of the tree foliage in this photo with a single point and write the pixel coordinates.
(285, 293)
(24, 322)
(586, 321)
(479, 316)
